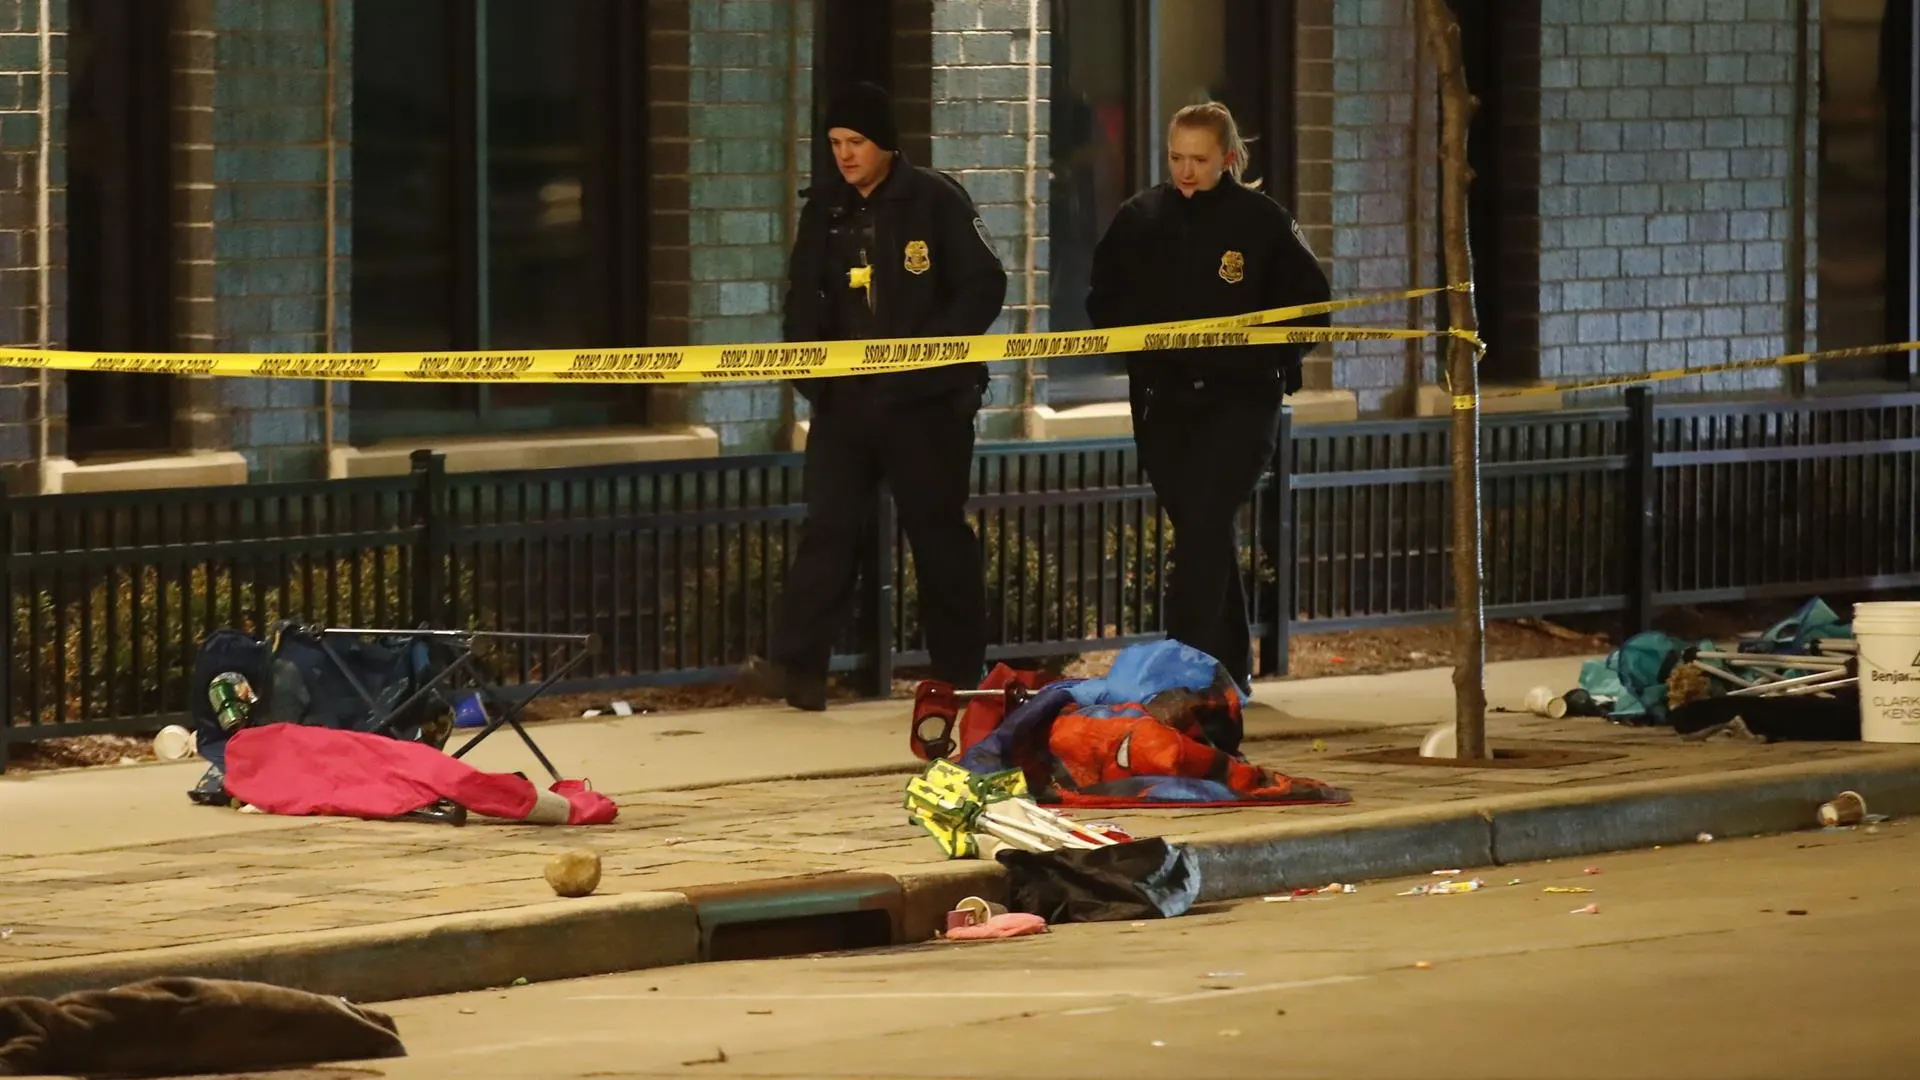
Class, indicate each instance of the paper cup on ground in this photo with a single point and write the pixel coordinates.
(175, 743)
(1846, 808)
(980, 910)
(1539, 699)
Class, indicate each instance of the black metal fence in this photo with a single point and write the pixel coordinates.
(676, 565)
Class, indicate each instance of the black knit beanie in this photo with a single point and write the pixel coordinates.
(865, 108)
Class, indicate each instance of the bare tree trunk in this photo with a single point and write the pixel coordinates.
(1457, 106)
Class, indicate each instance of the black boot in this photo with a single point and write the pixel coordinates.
(764, 678)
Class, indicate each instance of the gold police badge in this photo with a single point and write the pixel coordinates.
(917, 261)
(1233, 267)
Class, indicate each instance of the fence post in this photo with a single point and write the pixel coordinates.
(6, 631)
(430, 550)
(1637, 517)
(1276, 536)
(876, 576)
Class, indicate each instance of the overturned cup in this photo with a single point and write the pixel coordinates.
(1542, 701)
(175, 743)
(1846, 808)
(972, 912)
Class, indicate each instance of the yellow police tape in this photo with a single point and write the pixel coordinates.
(829, 359)
(719, 363)
(1614, 381)
(1465, 402)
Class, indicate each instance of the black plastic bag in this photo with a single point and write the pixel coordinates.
(1144, 879)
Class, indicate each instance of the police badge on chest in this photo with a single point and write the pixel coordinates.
(1233, 267)
(917, 260)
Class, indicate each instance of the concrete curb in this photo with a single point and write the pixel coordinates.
(1546, 825)
(417, 958)
(897, 905)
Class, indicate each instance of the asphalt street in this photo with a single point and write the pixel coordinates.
(1789, 956)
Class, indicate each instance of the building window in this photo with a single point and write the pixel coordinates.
(1869, 200)
(499, 201)
(1095, 135)
(119, 224)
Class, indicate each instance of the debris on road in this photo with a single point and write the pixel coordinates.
(1422, 965)
(1007, 924)
(1446, 888)
(1590, 909)
(719, 1058)
(1846, 808)
(1591, 870)
(574, 874)
(1704, 838)
(1566, 889)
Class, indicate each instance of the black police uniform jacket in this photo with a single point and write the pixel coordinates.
(935, 274)
(1227, 251)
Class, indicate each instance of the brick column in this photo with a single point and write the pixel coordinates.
(254, 88)
(1366, 189)
(980, 131)
(730, 91)
(20, 236)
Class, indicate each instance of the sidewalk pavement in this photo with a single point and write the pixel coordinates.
(787, 831)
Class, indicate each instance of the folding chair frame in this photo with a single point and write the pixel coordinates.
(467, 662)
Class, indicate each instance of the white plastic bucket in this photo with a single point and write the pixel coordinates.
(1889, 637)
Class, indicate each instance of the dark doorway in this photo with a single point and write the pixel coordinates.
(1500, 46)
(119, 221)
(1869, 236)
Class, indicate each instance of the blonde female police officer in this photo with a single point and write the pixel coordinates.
(891, 251)
(1205, 244)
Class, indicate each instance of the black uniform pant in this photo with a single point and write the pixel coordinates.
(923, 451)
(1204, 450)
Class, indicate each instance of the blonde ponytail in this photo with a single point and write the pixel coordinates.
(1217, 118)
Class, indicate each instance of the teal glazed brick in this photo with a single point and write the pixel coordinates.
(735, 192)
(292, 314)
(19, 130)
(269, 164)
(746, 298)
(20, 52)
(302, 124)
(748, 227)
(302, 16)
(278, 203)
(739, 120)
(736, 330)
(293, 394)
(746, 155)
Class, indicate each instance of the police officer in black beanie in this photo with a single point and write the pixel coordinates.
(891, 251)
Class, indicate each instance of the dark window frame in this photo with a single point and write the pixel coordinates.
(1259, 58)
(614, 203)
(120, 235)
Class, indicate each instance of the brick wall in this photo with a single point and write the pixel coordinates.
(1367, 203)
(1664, 198)
(254, 85)
(728, 80)
(980, 126)
(20, 286)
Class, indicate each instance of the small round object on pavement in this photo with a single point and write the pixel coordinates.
(574, 873)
